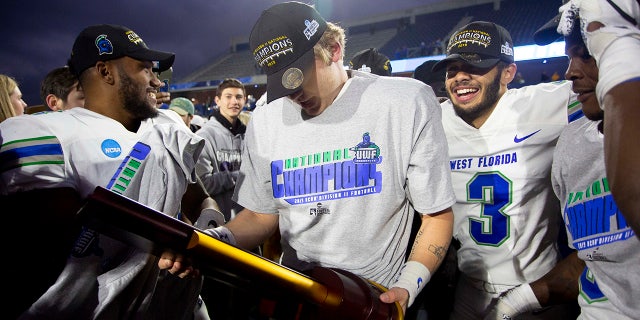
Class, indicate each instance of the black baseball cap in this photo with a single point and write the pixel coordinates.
(548, 33)
(282, 43)
(436, 79)
(108, 42)
(371, 60)
(481, 44)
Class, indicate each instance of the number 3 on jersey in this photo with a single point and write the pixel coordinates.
(493, 191)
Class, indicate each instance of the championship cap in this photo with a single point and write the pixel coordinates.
(282, 43)
(481, 44)
(182, 106)
(108, 42)
(371, 60)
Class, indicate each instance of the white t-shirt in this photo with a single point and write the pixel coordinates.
(343, 182)
(595, 226)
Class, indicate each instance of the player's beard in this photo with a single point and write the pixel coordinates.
(138, 106)
(489, 99)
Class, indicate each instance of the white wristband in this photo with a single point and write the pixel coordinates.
(222, 233)
(518, 300)
(612, 71)
(413, 277)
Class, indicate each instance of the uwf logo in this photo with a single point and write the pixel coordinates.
(318, 210)
(104, 45)
(366, 151)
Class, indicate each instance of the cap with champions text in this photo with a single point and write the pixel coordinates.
(481, 44)
(282, 43)
(371, 60)
(108, 42)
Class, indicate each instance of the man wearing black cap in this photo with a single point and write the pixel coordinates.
(119, 141)
(501, 143)
(605, 288)
(334, 165)
(371, 60)
(435, 80)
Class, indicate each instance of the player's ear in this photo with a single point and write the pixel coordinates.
(509, 73)
(103, 68)
(51, 100)
(336, 51)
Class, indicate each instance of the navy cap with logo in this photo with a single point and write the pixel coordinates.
(481, 44)
(282, 43)
(108, 42)
(371, 60)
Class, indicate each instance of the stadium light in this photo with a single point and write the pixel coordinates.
(521, 53)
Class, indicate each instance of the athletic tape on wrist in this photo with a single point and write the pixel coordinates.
(413, 277)
(222, 233)
(616, 64)
(521, 298)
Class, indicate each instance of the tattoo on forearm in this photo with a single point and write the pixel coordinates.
(438, 251)
(416, 240)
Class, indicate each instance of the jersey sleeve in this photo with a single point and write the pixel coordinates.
(30, 159)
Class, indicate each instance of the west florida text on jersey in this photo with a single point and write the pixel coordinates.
(328, 175)
(484, 162)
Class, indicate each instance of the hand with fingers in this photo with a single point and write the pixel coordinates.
(178, 265)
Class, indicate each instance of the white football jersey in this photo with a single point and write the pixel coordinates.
(77, 148)
(82, 149)
(507, 217)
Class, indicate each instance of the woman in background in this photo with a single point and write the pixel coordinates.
(11, 103)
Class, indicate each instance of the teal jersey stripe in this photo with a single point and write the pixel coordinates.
(45, 150)
(30, 161)
(36, 163)
(31, 141)
(575, 110)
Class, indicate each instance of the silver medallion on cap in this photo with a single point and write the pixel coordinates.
(292, 78)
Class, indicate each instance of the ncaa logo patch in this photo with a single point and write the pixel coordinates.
(111, 148)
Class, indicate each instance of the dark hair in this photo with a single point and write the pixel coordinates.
(230, 83)
(502, 65)
(59, 82)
